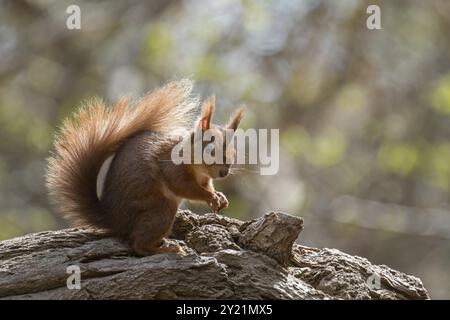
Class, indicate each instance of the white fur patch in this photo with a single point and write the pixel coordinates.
(102, 175)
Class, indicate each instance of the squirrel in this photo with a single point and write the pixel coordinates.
(143, 188)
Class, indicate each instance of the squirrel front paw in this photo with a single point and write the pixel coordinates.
(223, 200)
(218, 201)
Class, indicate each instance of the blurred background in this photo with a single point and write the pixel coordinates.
(364, 115)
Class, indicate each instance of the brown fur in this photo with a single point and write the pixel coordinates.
(143, 188)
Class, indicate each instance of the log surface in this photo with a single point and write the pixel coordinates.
(225, 259)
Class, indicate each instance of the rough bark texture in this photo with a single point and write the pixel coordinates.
(226, 259)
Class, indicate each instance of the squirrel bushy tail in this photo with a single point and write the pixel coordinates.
(95, 132)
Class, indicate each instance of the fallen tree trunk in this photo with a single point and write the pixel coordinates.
(226, 259)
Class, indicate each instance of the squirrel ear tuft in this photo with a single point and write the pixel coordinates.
(236, 118)
(208, 108)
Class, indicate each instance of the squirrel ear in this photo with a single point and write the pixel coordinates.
(236, 118)
(208, 108)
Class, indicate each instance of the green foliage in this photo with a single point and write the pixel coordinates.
(398, 158)
(440, 96)
(324, 150)
(352, 97)
(18, 222)
(328, 149)
(158, 45)
(439, 165)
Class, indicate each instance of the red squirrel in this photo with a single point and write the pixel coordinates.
(143, 188)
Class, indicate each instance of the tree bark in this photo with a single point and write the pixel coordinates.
(225, 259)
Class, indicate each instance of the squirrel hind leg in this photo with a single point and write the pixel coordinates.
(150, 230)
